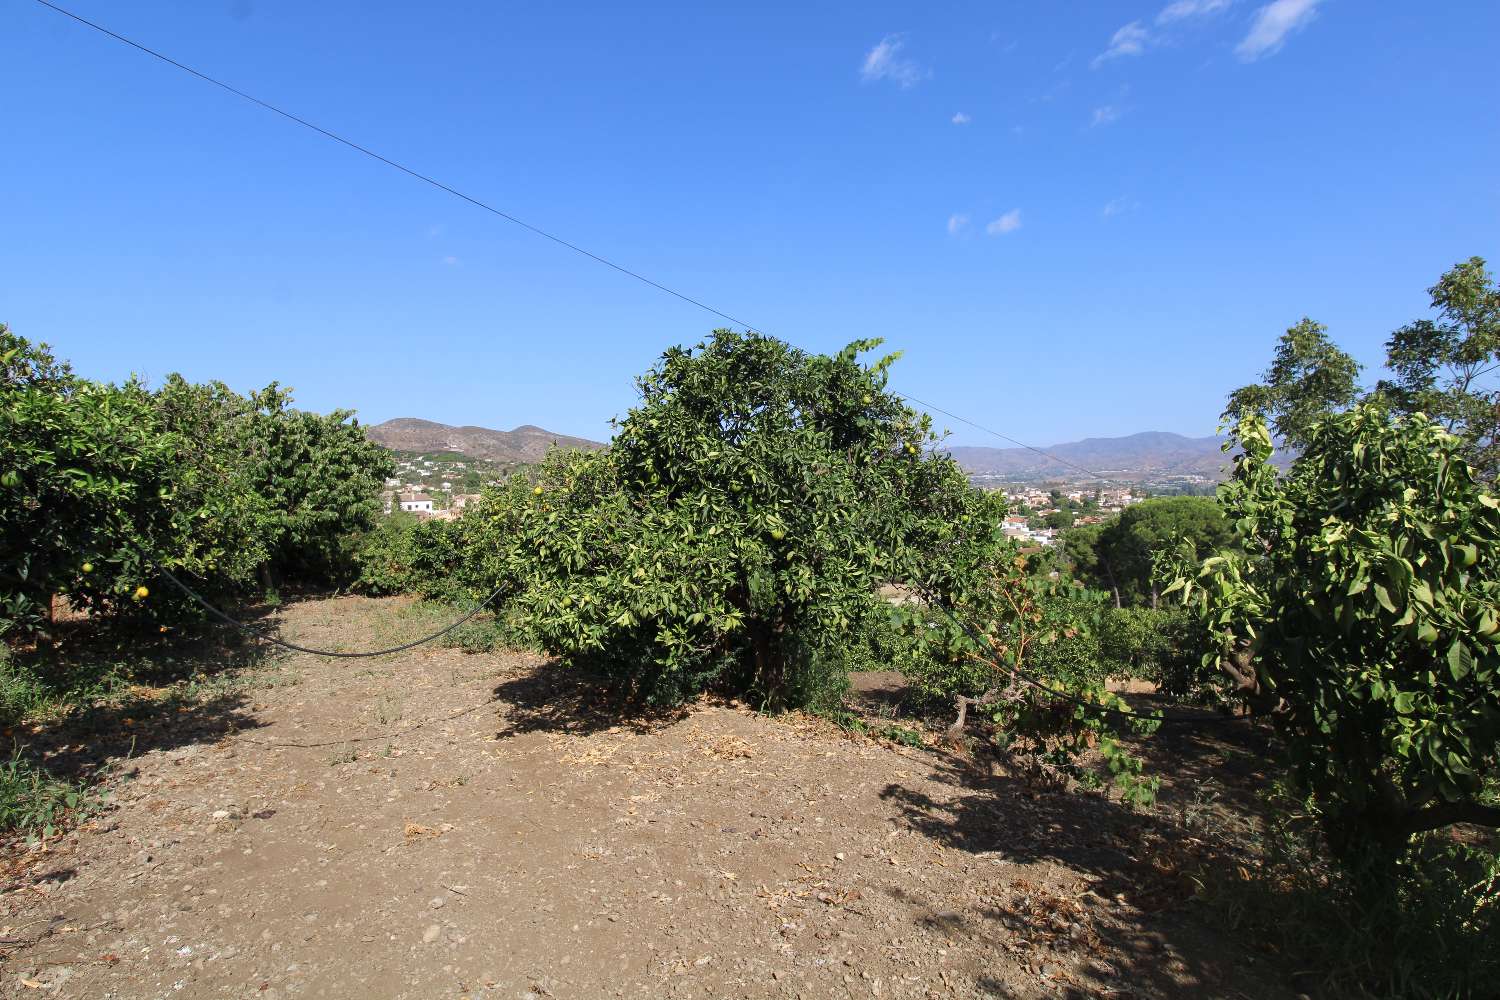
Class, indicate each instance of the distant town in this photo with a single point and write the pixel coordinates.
(1040, 516)
(439, 485)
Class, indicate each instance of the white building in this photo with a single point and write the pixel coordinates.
(415, 503)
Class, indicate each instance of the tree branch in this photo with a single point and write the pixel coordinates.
(1443, 814)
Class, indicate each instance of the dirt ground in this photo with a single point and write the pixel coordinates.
(445, 824)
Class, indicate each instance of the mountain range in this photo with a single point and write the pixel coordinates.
(1149, 453)
(1157, 453)
(526, 444)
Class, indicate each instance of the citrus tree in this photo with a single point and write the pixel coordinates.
(736, 530)
(1364, 594)
(103, 485)
(319, 479)
(79, 464)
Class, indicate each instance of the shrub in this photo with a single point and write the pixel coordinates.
(387, 555)
(1160, 645)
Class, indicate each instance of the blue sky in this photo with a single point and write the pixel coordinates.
(1075, 219)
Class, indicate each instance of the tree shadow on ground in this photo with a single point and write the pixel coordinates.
(1131, 930)
(554, 697)
(79, 712)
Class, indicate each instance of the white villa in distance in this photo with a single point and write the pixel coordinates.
(415, 503)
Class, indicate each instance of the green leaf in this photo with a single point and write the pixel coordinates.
(1460, 661)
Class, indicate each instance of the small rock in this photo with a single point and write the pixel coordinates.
(221, 814)
(437, 902)
(431, 933)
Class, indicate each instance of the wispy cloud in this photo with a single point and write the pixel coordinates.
(957, 223)
(1105, 115)
(1007, 223)
(885, 62)
(1181, 10)
(1134, 38)
(1128, 41)
(1118, 206)
(1273, 24)
(450, 261)
(961, 119)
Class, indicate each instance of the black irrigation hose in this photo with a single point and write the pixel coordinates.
(264, 637)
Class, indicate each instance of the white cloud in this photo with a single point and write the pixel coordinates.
(1273, 23)
(1105, 115)
(450, 261)
(1180, 10)
(1007, 223)
(1118, 206)
(957, 222)
(1128, 41)
(961, 119)
(885, 62)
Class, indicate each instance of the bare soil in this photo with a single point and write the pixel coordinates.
(445, 824)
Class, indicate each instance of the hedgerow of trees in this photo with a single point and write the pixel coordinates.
(104, 485)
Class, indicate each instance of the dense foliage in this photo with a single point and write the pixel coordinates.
(1124, 555)
(737, 528)
(1366, 586)
(103, 485)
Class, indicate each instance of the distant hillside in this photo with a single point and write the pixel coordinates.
(1149, 453)
(524, 444)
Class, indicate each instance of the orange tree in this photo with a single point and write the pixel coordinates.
(79, 465)
(101, 485)
(737, 529)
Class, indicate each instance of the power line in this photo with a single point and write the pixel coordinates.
(1004, 437)
(424, 178)
(477, 203)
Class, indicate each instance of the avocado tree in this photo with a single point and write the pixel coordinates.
(1309, 378)
(1364, 594)
(1444, 367)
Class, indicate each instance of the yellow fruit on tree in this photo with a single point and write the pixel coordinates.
(141, 593)
(88, 567)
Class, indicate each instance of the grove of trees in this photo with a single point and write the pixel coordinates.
(102, 485)
(767, 520)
